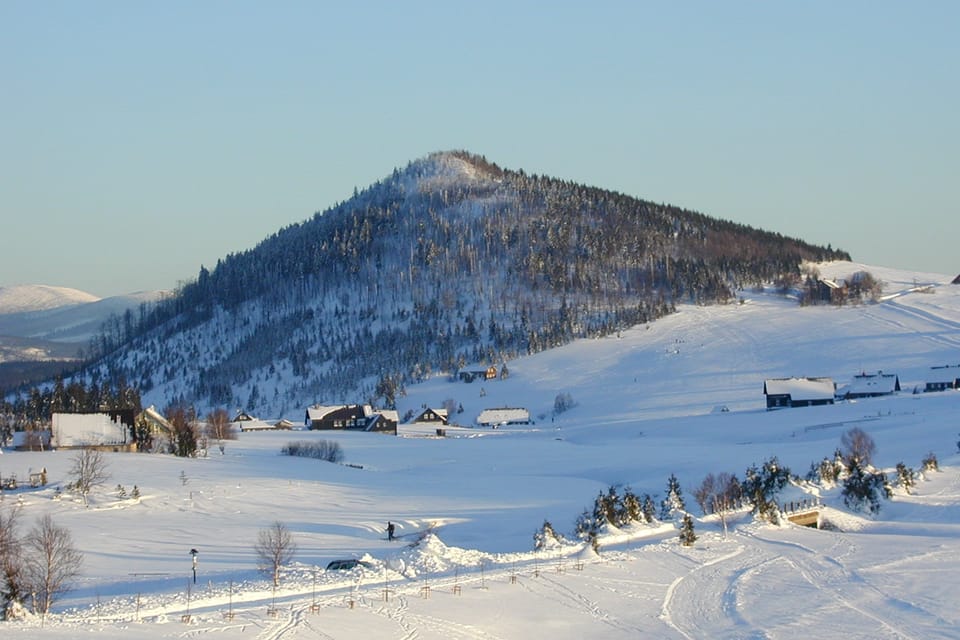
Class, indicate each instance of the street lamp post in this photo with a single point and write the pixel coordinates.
(194, 553)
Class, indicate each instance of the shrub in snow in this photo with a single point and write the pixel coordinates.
(563, 402)
(929, 463)
(864, 489)
(319, 449)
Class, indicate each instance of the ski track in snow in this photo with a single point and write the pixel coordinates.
(904, 319)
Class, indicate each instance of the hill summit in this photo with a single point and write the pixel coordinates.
(449, 261)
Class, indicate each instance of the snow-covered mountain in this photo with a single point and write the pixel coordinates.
(452, 260)
(37, 297)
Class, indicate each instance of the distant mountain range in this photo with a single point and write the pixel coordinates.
(44, 328)
(450, 261)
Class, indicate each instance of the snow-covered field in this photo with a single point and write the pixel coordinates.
(466, 506)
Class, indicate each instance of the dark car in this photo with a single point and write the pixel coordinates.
(346, 565)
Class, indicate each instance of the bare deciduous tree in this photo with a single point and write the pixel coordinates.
(858, 447)
(720, 494)
(50, 563)
(218, 425)
(89, 469)
(275, 547)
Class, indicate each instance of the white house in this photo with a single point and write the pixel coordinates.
(88, 430)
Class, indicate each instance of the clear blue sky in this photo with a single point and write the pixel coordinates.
(140, 140)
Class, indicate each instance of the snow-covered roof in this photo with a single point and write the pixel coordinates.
(151, 415)
(441, 413)
(947, 373)
(254, 424)
(319, 412)
(800, 388)
(872, 383)
(503, 415)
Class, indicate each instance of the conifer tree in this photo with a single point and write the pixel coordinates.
(761, 487)
(906, 477)
(673, 503)
(545, 536)
(863, 488)
(687, 535)
(649, 508)
(631, 508)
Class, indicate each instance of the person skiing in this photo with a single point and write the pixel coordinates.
(390, 530)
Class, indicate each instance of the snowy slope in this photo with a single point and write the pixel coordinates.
(466, 506)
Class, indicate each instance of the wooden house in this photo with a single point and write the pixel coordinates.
(943, 378)
(871, 385)
(503, 416)
(798, 392)
(351, 417)
(429, 416)
(477, 372)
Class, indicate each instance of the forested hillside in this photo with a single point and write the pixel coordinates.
(451, 260)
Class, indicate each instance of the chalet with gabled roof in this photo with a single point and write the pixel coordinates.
(477, 372)
(943, 377)
(351, 417)
(798, 392)
(871, 385)
(430, 416)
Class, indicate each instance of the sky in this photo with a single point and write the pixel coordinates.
(143, 140)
